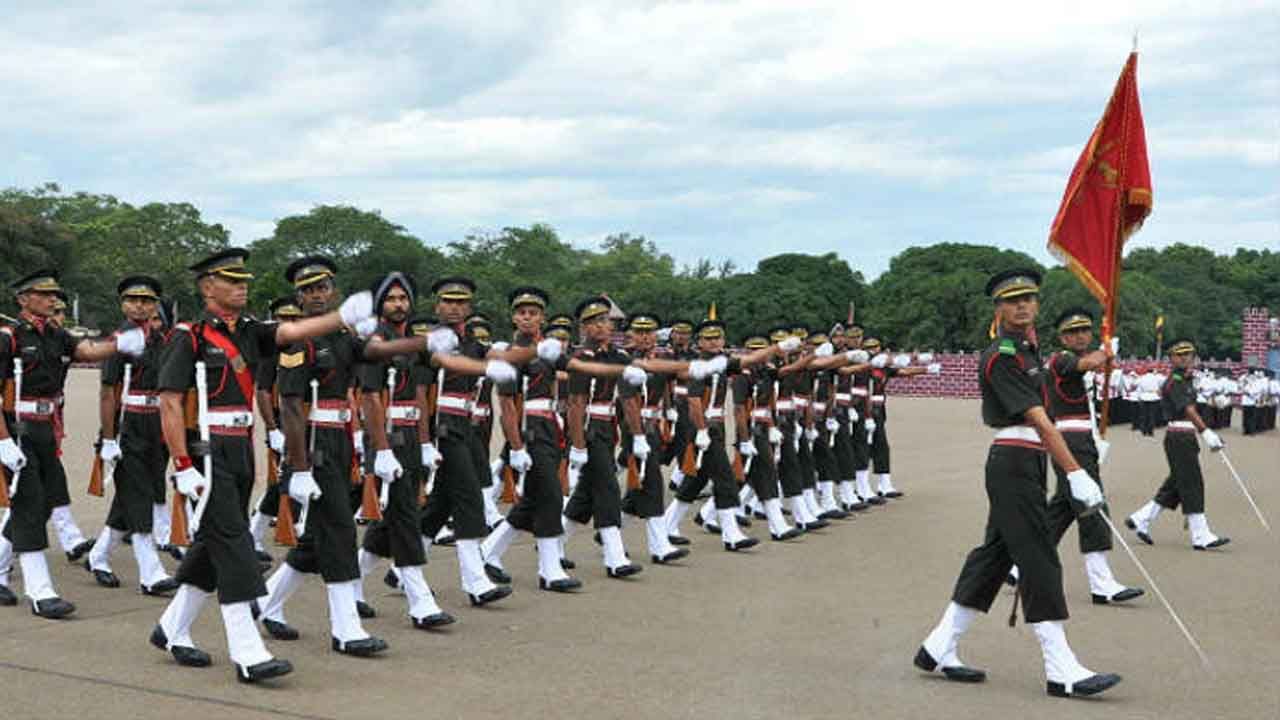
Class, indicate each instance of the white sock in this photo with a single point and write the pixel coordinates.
(942, 643)
(181, 613)
(708, 513)
(150, 571)
(1145, 515)
(6, 551)
(244, 644)
(160, 528)
(1060, 663)
(655, 532)
(64, 523)
(773, 511)
(496, 544)
(258, 524)
(615, 555)
(422, 602)
(1198, 524)
(282, 584)
(827, 496)
(1098, 570)
(811, 502)
(847, 496)
(862, 479)
(491, 514)
(800, 510)
(549, 559)
(344, 621)
(100, 555)
(674, 514)
(886, 484)
(729, 531)
(367, 562)
(35, 576)
(471, 568)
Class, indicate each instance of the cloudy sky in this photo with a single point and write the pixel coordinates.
(727, 130)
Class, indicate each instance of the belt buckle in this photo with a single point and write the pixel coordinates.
(240, 420)
(44, 407)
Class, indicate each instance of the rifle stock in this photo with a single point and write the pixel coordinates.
(633, 473)
(369, 505)
(509, 486)
(95, 475)
(285, 533)
(179, 535)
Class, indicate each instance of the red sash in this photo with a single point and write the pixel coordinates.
(239, 367)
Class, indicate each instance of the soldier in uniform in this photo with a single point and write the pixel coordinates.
(29, 435)
(758, 438)
(1185, 485)
(789, 413)
(678, 412)
(823, 410)
(1017, 523)
(847, 417)
(133, 454)
(881, 372)
(221, 557)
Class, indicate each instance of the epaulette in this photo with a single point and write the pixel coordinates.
(292, 360)
(1008, 347)
(185, 327)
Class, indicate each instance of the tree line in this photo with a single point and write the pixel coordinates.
(929, 298)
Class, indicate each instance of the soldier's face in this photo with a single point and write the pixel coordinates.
(154, 323)
(1078, 340)
(643, 340)
(452, 312)
(59, 316)
(1182, 361)
(839, 341)
(317, 298)
(711, 344)
(528, 319)
(1019, 312)
(396, 305)
(679, 338)
(138, 309)
(40, 304)
(598, 329)
(226, 293)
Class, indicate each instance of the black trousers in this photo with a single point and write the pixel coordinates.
(456, 491)
(681, 435)
(647, 500)
(1094, 534)
(846, 456)
(41, 488)
(1017, 532)
(398, 535)
(717, 470)
(824, 458)
(479, 445)
(143, 457)
(221, 556)
(861, 448)
(596, 497)
(1184, 485)
(328, 542)
(790, 472)
(763, 474)
(880, 446)
(538, 510)
(804, 458)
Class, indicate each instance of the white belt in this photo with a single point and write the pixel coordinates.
(802, 402)
(650, 413)
(761, 414)
(35, 407)
(453, 403)
(877, 399)
(1074, 425)
(141, 401)
(1018, 432)
(480, 411)
(1181, 425)
(844, 397)
(324, 415)
(680, 390)
(538, 404)
(820, 407)
(233, 418)
(713, 413)
(860, 391)
(784, 406)
(600, 409)
(404, 412)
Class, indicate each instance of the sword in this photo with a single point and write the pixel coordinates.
(17, 422)
(1244, 489)
(384, 494)
(715, 384)
(435, 427)
(202, 405)
(524, 423)
(109, 472)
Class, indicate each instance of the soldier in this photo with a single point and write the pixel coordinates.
(788, 390)
(823, 411)
(482, 420)
(880, 374)
(759, 439)
(847, 419)
(36, 348)
(133, 454)
(678, 413)
(221, 557)
(1185, 484)
(1017, 526)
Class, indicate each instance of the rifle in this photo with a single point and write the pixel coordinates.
(715, 384)
(101, 475)
(19, 428)
(202, 420)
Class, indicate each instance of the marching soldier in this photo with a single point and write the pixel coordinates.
(879, 376)
(847, 417)
(133, 453)
(678, 413)
(823, 410)
(759, 440)
(789, 413)
(1017, 526)
(1185, 485)
(32, 367)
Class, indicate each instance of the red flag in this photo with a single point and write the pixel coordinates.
(1108, 196)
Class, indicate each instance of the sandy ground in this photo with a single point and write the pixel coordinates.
(822, 627)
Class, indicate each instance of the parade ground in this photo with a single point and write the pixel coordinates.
(822, 627)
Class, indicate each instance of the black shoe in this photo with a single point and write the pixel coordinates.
(1144, 537)
(174, 551)
(790, 534)
(1215, 544)
(77, 552)
(447, 540)
(432, 622)
(876, 500)
(595, 538)
(815, 525)
(1123, 595)
(7, 598)
(497, 574)
(563, 585)
(390, 580)
(672, 486)
(274, 667)
(264, 556)
(567, 564)
(105, 578)
(1091, 685)
(697, 519)
(742, 544)
(279, 630)
(743, 520)
(894, 494)
(1011, 580)
(835, 514)
(759, 515)
(367, 647)
(160, 589)
(670, 557)
(711, 528)
(489, 596)
(365, 610)
(52, 609)
(186, 656)
(858, 506)
(623, 571)
(958, 673)
(677, 540)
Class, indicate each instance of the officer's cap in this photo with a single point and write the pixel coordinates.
(754, 341)
(1013, 283)
(140, 286)
(710, 329)
(528, 295)
(1073, 318)
(592, 308)
(284, 307)
(227, 264)
(454, 288)
(310, 270)
(681, 325)
(43, 281)
(1180, 347)
(643, 322)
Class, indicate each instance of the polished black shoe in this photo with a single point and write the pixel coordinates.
(367, 647)
(159, 589)
(52, 608)
(790, 534)
(263, 556)
(876, 500)
(759, 515)
(697, 519)
(957, 673)
(431, 622)
(834, 514)
(7, 598)
(1011, 580)
(858, 506)
(711, 528)
(595, 538)
(365, 610)
(489, 596)
(186, 656)
(743, 520)
(1091, 685)
(894, 494)
(672, 556)
(567, 564)
(446, 540)
(563, 585)
(1123, 595)
(815, 525)
(1215, 544)
(272, 668)
(677, 540)
(672, 486)
(390, 580)
(497, 574)
(105, 578)
(77, 552)
(279, 630)
(623, 571)
(174, 551)
(742, 544)
(1144, 537)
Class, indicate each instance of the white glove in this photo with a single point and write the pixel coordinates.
(386, 466)
(789, 345)
(303, 487)
(925, 358)
(1212, 440)
(775, 436)
(826, 349)
(857, 357)
(934, 369)
(832, 425)
(520, 460)
(500, 346)
(275, 440)
(11, 455)
(1115, 346)
(500, 371)
(640, 447)
(673, 415)
(699, 369)
(110, 451)
(901, 360)
(549, 351)
(356, 308)
(1084, 489)
(811, 434)
(577, 458)
(1104, 448)
(879, 361)
(366, 327)
(190, 482)
(747, 449)
(633, 375)
(430, 458)
(131, 342)
(702, 439)
(442, 341)
(871, 425)
(853, 415)
(357, 441)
